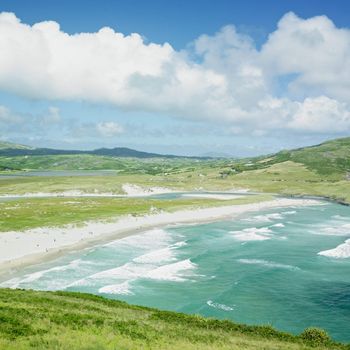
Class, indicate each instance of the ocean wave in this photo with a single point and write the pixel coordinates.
(160, 255)
(341, 218)
(342, 251)
(278, 225)
(333, 230)
(122, 288)
(145, 240)
(132, 271)
(289, 212)
(35, 276)
(265, 218)
(267, 263)
(219, 306)
(172, 272)
(253, 234)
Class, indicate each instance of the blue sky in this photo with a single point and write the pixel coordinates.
(235, 90)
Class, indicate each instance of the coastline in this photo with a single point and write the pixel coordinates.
(30, 247)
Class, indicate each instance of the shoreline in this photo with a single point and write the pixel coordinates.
(23, 249)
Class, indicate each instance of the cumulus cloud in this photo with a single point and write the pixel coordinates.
(321, 114)
(109, 129)
(315, 50)
(222, 78)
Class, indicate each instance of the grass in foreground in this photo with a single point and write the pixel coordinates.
(66, 320)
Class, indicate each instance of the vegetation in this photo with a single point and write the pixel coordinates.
(66, 320)
(38, 212)
(315, 336)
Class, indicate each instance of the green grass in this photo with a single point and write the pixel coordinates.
(38, 212)
(292, 178)
(151, 166)
(66, 320)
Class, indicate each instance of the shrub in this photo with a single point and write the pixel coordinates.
(316, 336)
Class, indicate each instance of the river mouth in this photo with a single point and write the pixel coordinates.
(260, 268)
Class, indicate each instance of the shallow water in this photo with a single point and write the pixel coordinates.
(258, 269)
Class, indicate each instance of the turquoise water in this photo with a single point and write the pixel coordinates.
(262, 268)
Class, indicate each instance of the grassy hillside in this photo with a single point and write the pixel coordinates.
(38, 212)
(65, 320)
(80, 162)
(329, 158)
(10, 145)
(322, 170)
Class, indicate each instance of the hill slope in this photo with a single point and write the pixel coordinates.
(328, 158)
(322, 170)
(63, 320)
(10, 145)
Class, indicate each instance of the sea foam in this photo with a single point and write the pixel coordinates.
(342, 251)
(122, 288)
(35, 276)
(266, 263)
(335, 230)
(252, 234)
(219, 306)
(172, 272)
(265, 218)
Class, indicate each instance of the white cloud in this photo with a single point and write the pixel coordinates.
(321, 114)
(109, 129)
(221, 78)
(315, 50)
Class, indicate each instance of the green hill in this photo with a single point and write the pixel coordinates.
(328, 158)
(322, 170)
(10, 145)
(64, 320)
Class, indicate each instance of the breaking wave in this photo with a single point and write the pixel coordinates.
(266, 263)
(252, 234)
(219, 306)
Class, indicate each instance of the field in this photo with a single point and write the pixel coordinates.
(320, 170)
(38, 212)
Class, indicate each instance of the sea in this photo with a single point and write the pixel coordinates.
(260, 268)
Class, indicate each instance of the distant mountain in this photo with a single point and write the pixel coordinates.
(216, 155)
(12, 150)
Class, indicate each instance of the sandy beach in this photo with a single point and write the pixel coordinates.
(19, 249)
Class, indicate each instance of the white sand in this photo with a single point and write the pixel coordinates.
(31, 246)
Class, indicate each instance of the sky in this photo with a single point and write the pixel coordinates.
(197, 77)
